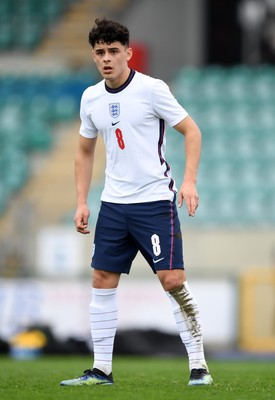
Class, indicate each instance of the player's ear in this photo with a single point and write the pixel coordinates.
(129, 53)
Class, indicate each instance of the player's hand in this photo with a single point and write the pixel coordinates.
(188, 193)
(81, 219)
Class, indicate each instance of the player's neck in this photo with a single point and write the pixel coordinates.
(118, 81)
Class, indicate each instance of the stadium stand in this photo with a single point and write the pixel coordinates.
(235, 110)
(29, 109)
(23, 23)
(71, 32)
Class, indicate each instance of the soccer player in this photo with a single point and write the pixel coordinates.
(138, 204)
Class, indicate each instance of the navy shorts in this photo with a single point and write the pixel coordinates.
(152, 228)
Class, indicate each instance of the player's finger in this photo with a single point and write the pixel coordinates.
(180, 200)
(80, 224)
(193, 206)
(188, 204)
(85, 219)
(82, 228)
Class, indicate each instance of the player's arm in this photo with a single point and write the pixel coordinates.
(188, 191)
(84, 162)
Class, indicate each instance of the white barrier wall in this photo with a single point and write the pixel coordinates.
(142, 304)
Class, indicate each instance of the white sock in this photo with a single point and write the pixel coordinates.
(186, 314)
(103, 320)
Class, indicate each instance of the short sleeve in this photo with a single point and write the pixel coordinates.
(165, 105)
(87, 127)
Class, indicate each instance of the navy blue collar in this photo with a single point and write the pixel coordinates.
(124, 85)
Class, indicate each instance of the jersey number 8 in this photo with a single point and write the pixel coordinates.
(120, 140)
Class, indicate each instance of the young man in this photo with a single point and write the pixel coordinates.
(138, 210)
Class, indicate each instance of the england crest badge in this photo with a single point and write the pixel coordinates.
(114, 109)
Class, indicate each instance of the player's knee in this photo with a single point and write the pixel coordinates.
(171, 279)
(105, 279)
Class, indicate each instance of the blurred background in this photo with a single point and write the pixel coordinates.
(218, 58)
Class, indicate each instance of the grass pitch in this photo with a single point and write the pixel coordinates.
(135, 378)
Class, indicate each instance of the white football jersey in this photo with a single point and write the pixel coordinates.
(132, 121)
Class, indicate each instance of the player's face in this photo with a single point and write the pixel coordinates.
(112, 62)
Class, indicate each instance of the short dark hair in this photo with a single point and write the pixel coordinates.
(108, 31)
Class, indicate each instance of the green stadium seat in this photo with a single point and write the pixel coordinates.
(31, 35)
(52, 9)
(15, 169)
(38, 135)
(5, 8)
(65, 108)
(40, 107)
(6, 36)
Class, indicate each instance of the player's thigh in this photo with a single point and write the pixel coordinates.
(114, 249)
